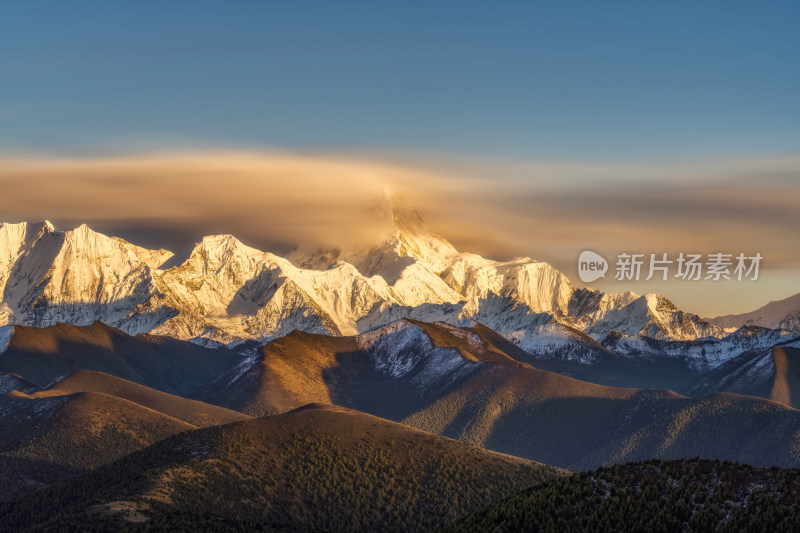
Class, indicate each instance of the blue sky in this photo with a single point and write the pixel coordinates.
(566, 80)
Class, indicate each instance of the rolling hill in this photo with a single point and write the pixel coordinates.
(190, 411)
(318, 468)
(178, 367)
(468, 384)
(14, 382)
(46, 439)
(86, 420)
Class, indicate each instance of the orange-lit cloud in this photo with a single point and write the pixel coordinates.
(549, 211)
(266, 199)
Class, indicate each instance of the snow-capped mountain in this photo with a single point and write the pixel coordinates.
(402, 350)
(652, 315)
(77, 276)
(227, 292)
(700, 355)
(780, 314)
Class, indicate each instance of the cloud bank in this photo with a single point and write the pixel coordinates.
(550, 211)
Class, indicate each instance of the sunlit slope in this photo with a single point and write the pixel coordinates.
(786, 385)
(190, 411)
(467, 384)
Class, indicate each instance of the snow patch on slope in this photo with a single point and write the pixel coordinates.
(9, 382)
(701, 355)
(6, 333)
(403, 350)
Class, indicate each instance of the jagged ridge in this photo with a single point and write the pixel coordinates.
(227, 292)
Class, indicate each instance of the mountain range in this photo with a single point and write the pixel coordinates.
(472, 384)
(227, 293)
(466, 383)
(424, 421)
(409, 426)
(400, 386)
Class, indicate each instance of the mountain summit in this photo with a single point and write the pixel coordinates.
(405, 234)
(227, 292)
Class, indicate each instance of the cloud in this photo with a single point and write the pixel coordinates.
(268, 199)
(555, 210)
(547, 210)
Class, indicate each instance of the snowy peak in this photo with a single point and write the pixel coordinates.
(409, 242)
(400, 216)
(15, 240)
(404, 217)
(18, 239)
(14, 236)
(414, 237)
(654, 301)
(216, 252)
(84, 242)
(592, 305)
(210, 279)
(653, 315)
(77, 276)
(227, 292)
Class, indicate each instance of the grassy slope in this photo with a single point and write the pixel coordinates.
(786, 385)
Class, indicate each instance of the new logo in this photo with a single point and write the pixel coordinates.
(591, 266)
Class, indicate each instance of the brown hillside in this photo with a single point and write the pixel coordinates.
(191, 411)
(43, 440)
(466, 383)
(319, 468)
(177, 367)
